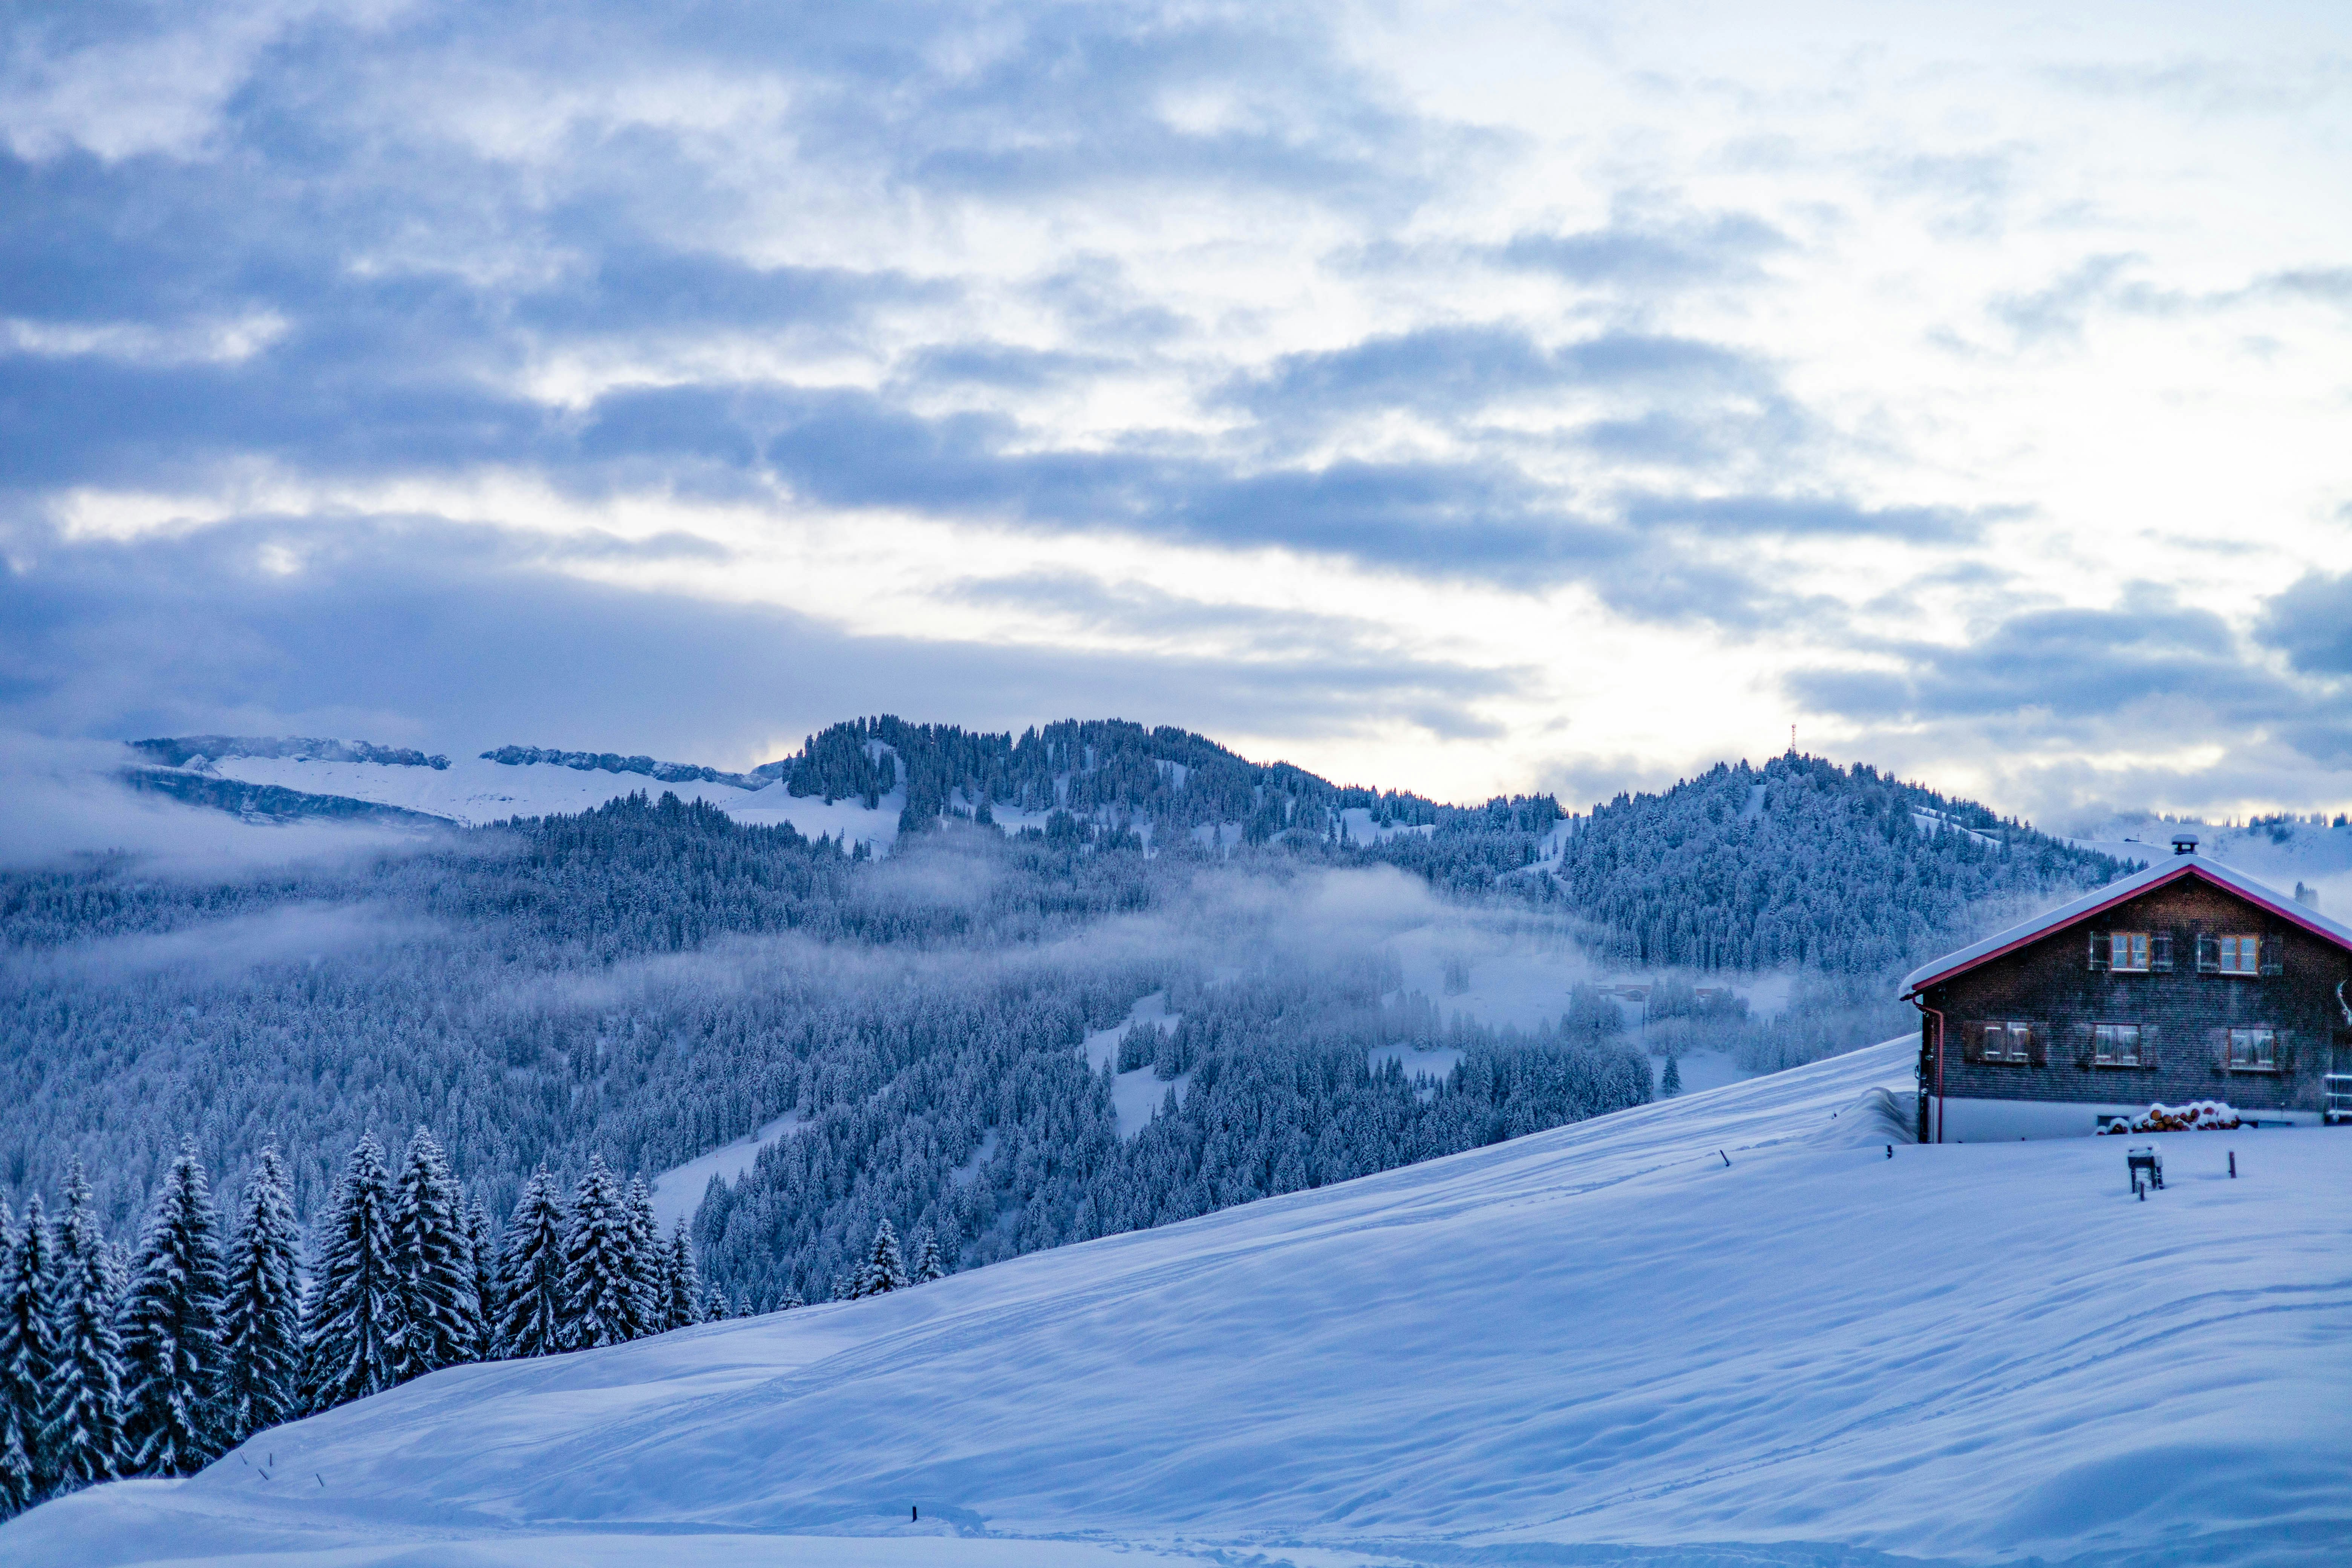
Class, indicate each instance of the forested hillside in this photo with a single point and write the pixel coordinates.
(1807, 863)
(652, 979)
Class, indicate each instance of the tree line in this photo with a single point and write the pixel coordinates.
(156, 1360)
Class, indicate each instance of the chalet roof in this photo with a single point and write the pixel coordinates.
(2116, 892)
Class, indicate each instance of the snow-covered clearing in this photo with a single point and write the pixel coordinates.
(1597, 1344)
(1137, 1095)
(472, 791)
(678, 1192)
(1362, 829)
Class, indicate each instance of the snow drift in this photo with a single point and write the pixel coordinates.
(1713, 1329)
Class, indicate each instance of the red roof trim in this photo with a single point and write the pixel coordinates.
(2188, 867)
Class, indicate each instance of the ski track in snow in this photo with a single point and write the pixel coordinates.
(1597, 1344)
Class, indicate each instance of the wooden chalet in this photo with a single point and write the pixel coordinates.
(2189, 981)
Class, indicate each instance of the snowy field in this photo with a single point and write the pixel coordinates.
(1136, 1094)
(1598, 1344)
(472, 791)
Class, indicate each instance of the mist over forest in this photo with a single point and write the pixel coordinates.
(949, 1029)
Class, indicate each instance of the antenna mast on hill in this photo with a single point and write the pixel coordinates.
(1793, 739)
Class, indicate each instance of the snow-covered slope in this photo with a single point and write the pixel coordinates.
(475, 790)
(1600, 1344)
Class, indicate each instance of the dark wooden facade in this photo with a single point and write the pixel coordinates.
(2189, 990)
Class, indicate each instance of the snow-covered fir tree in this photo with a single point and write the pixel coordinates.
(25, 1355)
(883, 1270)
(351, 1334)
(647, 1260)
(926, 1265)
(482, 1250)
(170, 1328)
(1673, 1082)
(83, 1418)
(534, 1312)
(683, 1280)
(602, 1289)
(262, 1321)
(434, 1262)
(714, 1306)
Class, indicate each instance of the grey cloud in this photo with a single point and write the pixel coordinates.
(1652, 255)
(1139, 610)
(1802, 516)
(419, 630)
(2148, 661)
(1455, 371)
(2311, 623)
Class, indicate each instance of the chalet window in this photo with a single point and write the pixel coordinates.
(2007, 1042)
(2127, 951)
(2115, 1044)
(2237, 955)
(2253, 1050)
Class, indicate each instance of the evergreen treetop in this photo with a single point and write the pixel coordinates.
(434, 1262)
(262, 1322)
(173, 1355)
(83, 1425)
(535, 1310)
(352, 1335)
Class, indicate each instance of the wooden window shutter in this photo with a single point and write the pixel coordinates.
(2098, 950)
(2151, 1047)
(2038, 1049)
(2160, 953)
(2217, 1042)
(2084, 1036)
(2208, 954)
(2273, 953)
(1972, 1042)
(2282, 1052)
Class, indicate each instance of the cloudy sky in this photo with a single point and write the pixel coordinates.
(1462, 398)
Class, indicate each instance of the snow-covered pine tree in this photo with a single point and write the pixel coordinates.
(742, 1306)
(83, 1423)
(927, 1266)
(1673, 1082)
(170, 1320)
(482, 1255)
(535, 1315)
(646, 1261)
(262, 1322)
(790, 1300)
(714, 1306)
(601, 1290)
(351, 1339)
(26, 1349)
(883, 1270)
(684, 1280)
(434, 1262)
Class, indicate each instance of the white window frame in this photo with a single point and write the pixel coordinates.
(2106, 1037)
(2261, 1047)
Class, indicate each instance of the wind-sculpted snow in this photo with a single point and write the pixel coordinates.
(1709, 1330)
